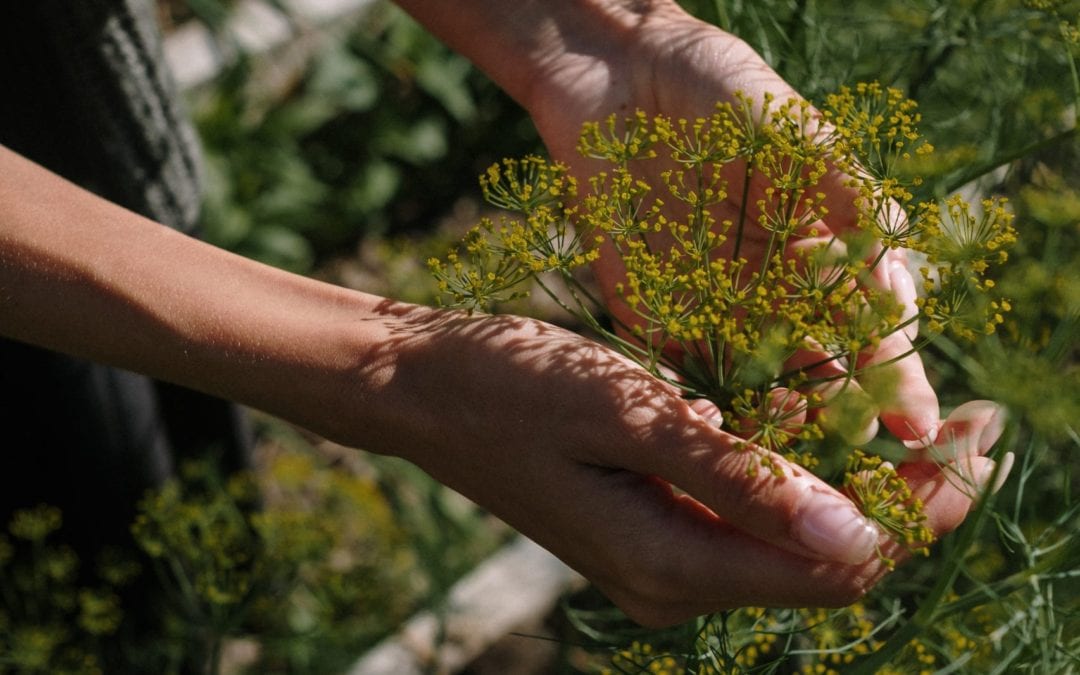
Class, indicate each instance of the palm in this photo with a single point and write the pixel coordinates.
(684, 76)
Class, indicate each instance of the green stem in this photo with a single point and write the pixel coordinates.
(929, 66)
(739, 227)
(632, 350)
(1008, 585)
(956, 354)
(573, 286)
(850, 292)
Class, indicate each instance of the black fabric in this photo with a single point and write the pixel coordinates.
(92, 439)
(87, 94)
(84, 92)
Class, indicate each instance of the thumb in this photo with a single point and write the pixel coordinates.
(761, 493)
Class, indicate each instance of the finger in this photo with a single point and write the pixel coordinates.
(847, 412)
(709, 411)
(894, 376)
(909, 405)
(902, 286)
(891, 384)
(893, 373)
(720, 566)
(970, 429)
(841, 406)
(758, 492)
(908, 402)
(674, 559)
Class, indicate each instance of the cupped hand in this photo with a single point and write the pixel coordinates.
(610, 469)
(662, 61)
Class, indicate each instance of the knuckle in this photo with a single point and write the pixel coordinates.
(741, 484)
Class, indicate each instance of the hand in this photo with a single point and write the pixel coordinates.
(579, 449)
(566, 441)
(667, 62)
(604, 466)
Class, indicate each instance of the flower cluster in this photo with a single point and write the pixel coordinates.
(1067, 14)
(56, 611)
(504, 255)
(957, 289)
(737, 282)
(299, 543)
(751, 640)
(302, 558)
(887, 500)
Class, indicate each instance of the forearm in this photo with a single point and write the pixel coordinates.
(83, 276)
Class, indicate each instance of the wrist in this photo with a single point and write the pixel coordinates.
(524, 45)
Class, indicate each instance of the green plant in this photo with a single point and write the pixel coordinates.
(372, 135)
(733, 307)
(300, 559)
(57, 613)
(998, 79)
(304, 560)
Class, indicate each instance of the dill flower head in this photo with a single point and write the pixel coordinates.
(35, 524)
(967, 243)
(885, 498)
(728, 276)
(755, 639)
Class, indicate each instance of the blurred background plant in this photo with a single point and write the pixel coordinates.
(297, 566)
(300, 561)
(372, 131)
(352, 154)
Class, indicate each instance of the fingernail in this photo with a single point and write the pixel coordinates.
(919, 449)
(986, 417)
(833, 528)
(987, 472)
(708, 412)
(918, 422)
(866, 434)
(926, 440)
(992, 431)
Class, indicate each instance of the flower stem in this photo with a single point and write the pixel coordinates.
(742, 209)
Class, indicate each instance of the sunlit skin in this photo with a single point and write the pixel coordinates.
(581, 61)
(745, 335)
(565, 440)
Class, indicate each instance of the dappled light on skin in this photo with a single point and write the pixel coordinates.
(697, 231)
(622, 454)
